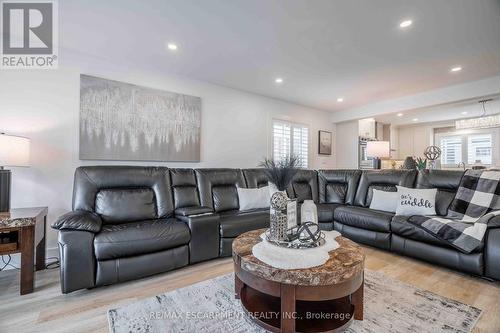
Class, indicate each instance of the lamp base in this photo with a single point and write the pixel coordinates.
(377, 163)
(5, 180)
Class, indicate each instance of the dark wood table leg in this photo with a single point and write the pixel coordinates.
(238, 286)
(27, 259)
(40, 248)
(287, 308)
(357, 301)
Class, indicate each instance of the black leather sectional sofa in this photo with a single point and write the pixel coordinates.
(130, 222)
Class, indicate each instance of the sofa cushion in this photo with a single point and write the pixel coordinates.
(338, 186)
(234, 223)
(325, 211)
(225, 198)
(217, 188)
(131, 239)
(364, 218)
(446, 182)
(89, 180)
(185, 196)
(302, 192)
(119, 205)
(184, 188)
(400, 226)
(384, 180)
(304, 186)
(255, 178)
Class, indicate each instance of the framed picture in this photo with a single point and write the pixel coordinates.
(325, 143)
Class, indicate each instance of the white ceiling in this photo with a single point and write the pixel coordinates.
(322, 48)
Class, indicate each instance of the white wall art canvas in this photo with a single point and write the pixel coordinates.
(121, 121)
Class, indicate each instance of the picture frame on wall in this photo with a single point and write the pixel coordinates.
(324, 143)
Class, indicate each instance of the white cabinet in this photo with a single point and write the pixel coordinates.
(368, 128)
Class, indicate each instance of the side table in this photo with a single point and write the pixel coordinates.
(22, 230)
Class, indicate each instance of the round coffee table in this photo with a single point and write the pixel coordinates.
(325, 298)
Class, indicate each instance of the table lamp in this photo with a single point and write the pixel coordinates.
(14, 152)
(378, 150)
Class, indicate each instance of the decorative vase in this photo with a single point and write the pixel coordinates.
(278, 219)
(308, 212)
(291, 213)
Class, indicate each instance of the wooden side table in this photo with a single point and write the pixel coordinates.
(22, 230)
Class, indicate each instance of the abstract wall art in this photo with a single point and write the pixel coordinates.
(121, 121)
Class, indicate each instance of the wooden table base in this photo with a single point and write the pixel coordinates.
(324, 298)
(284, 313)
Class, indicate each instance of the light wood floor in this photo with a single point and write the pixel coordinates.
(47, 310)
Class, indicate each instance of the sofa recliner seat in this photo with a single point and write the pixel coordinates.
(401, 227)
(364, 218)
(447, 257)
(136, 238)
(358, 221)
(325, 212)
(122, 227)
(235, 223)
(218, 191)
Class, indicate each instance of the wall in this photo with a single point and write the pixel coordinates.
(44, 106)
(346, 145)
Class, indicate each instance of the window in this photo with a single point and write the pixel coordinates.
(465, 148)
(451, 150)
(290, 139)
(479, 148)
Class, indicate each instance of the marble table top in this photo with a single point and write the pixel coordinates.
(345, 262)
(21, 217)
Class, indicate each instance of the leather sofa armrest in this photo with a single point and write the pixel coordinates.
(193, 210)
(79, 220)
(76, 254)
(204, 243)
(492, 254)
(494, 222)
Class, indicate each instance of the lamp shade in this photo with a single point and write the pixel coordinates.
(378, 149)
(14, 150)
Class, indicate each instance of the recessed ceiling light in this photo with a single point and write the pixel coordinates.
(172, 46)
(415, 119)
(405, 23)
(340, 99)
(400, 114)
(456, 69)
(464, 113)
(278, 80)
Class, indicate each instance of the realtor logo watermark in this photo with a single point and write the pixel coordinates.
(29, 34)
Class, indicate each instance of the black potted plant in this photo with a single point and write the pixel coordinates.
(280, 174)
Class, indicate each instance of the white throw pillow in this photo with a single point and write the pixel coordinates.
(253, 198)
(384, 200)
(413, 201)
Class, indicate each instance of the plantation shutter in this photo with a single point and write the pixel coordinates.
(290, 138)
(479, 148)
(451, 150)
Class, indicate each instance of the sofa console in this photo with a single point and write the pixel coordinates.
(129, 222)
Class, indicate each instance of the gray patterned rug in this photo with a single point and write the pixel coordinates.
(209, 306)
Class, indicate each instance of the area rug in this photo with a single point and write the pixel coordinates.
(209, 306)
